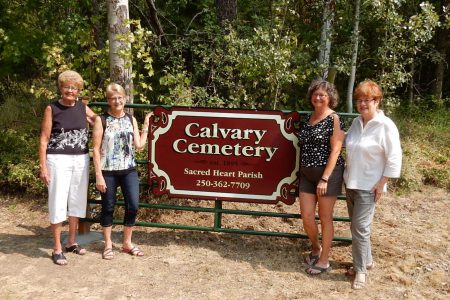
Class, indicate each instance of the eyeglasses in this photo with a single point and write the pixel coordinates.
(365, 101)
(315, 95)
(70, 88)
(119, 98)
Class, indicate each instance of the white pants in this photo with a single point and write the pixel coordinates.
(67, 190)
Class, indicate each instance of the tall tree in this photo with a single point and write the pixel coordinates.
(355, 40)
(119, 46)
(325, 37)
(226, 10)
(155, 22)
(442, 47)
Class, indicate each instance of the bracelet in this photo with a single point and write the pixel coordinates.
(145, 130)
(324, 179)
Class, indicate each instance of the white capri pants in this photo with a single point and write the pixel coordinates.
(68, 187)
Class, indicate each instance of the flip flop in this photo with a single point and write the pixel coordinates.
(135, 251)
(59, 259)
(315, 270)
(77, 249)
(311, 259)
(108, 254)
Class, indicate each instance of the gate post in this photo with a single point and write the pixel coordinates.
(217, 214)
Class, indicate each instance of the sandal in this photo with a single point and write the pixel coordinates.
(360, 281)
(351, 271)
(108, 254)
(59, 259)
(311, 259)
(316, 270)
(77, 249)
(135, 251)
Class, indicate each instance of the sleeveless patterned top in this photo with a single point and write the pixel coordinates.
(117, 150)
(69, 133)
(315, 147)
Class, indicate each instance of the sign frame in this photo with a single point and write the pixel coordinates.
(162, 182)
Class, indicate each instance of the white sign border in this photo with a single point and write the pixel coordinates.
(229, 115)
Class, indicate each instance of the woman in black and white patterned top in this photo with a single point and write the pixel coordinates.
(321, 136)
(64, 161)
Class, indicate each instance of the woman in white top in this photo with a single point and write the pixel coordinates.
(373, 156)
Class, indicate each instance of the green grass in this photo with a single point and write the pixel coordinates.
(425, 139)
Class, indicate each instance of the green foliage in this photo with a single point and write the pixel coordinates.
(235, 66)
(20, 119)
(20, 167)
(425, 139)
(264, 59)
(95, 61)
(264, 62)
(401, 38)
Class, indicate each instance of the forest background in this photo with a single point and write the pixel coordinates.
(232, 54)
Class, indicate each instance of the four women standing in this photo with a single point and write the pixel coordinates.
(373, 154)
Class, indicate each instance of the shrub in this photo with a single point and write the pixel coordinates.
(19, 160)
(425, 139)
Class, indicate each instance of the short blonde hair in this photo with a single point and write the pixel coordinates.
(113, 88)
(368, 89)
(72, 77)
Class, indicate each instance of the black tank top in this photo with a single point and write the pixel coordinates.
(69, 129)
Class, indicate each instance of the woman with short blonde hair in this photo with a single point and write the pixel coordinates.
(115, 136)
(64, 161)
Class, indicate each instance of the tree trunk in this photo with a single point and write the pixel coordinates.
(442, 40)
(411, 83)
(325, 40)
(119, 68)
(355, 39)
(154, 20)
(226, 10)
(97, 26)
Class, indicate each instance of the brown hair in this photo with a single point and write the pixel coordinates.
(328, 87)
(368, 89)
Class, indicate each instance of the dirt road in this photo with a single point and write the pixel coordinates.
(411, 245)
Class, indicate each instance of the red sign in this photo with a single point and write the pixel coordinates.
(235, 155)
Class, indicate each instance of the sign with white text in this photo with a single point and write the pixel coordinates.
(220, 154)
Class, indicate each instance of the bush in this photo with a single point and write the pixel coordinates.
(425, 139)
(20, 164)
(20, 117)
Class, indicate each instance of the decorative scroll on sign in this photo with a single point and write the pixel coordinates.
(218, 154)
